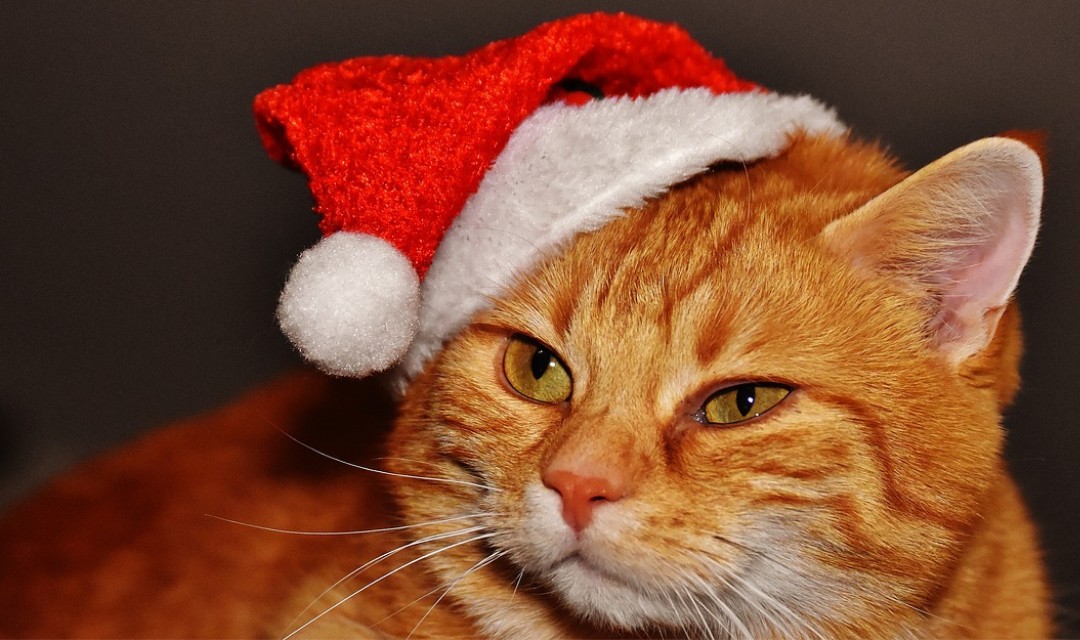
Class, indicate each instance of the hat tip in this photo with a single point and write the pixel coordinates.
(351, 304)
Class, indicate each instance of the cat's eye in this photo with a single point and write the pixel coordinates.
(742, 402)
(535, 371)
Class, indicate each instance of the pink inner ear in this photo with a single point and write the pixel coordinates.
(989, 272)
(1003, 188)
(984, 277)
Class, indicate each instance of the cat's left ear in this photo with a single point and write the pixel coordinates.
(959, 232)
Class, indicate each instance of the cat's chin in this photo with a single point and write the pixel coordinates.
(606, 599)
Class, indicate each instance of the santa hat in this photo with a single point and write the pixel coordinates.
(441, 181)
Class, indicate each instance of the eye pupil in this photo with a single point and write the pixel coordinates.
(540, 363)
(744, 398)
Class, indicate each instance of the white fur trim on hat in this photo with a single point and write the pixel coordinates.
(350, 304)
(570, 169)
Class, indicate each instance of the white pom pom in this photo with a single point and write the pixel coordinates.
(351, 304)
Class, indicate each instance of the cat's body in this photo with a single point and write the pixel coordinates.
(872, 501)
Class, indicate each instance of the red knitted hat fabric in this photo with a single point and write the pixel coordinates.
(394, 146)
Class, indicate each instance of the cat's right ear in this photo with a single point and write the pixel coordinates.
(958, 232)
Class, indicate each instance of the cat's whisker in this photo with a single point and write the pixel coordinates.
(386, 575)
(677, 585)
(864, 595)
(813, 628)
(671, 603)
(759, 616)
(479, 565)
(430, 538)
(355, 532)
(761, 598)
(423, 597)
(688, 609)
(402, 608)
(761, 554)
(348, 576)
(433, 592)
(701, 610)
(775, 613)
(441, 465)
(383, 471)
(517, 583)
(426, 463)
(721, 574)
(728, 612)
(725, 608)
(679, 609)
(775, 617)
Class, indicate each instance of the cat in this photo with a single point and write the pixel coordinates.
(765, 404)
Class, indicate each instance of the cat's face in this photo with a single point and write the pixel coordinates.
(704, 419)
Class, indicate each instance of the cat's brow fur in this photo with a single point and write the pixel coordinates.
(871, 503)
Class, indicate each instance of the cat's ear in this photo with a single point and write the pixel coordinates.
(959, 232)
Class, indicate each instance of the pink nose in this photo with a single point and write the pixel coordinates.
(580, 494)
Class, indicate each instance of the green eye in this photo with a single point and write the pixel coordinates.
(535, 372)
(742, 402)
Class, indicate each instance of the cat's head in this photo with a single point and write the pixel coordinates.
(767, 403)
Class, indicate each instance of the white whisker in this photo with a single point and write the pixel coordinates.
(706, 628)
(729, 614)
(686, 610)
(383, 471)
(400, 609)
(440, 588)
(479, 565)
(357, 532)
(676, 611)
(358, 570)
(517, 583)
(772, 610)
(426, 463)
(385, 576)
(721, 573)
(792, 624)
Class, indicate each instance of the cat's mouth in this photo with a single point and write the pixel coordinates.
(591, 572)
(598, 592)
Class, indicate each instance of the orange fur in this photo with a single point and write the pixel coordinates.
(873, 502)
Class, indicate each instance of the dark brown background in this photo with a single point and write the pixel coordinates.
(144, 235)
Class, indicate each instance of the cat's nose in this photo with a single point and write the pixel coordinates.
(582, 493)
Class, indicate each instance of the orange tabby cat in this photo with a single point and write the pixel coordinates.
(765, 405)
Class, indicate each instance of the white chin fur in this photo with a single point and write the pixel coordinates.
(351, 304)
